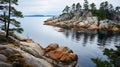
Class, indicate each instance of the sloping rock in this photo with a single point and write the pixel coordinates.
(18, 37)
(32, 48)
(48, 23)
(81, 24)
(95, 20)
(92, 20)
(51, 47)
(64, 49)
(2, 47)
(37, 62)
(106, 24)
(31, 54)
(9, 51)
(3, 57)
(2, 64)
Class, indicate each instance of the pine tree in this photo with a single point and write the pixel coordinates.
(73, 7)
(86, 6)
(78, 7)
(66, 9)
(11, 11)
(93, 8)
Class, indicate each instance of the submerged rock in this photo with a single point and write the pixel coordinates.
(61, 30)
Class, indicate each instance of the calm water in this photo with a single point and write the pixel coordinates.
(87, 45)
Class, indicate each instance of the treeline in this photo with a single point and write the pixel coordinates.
(6, 11)
(105, 10)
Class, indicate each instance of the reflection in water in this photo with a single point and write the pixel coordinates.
(103, 37)
(86, 44)
(107, 36)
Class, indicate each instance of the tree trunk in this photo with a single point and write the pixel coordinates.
(8, 25)
(5, 21)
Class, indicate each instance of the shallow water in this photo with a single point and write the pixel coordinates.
(86, 45)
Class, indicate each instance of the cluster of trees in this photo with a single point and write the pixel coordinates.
(6, 11)
(105, 11)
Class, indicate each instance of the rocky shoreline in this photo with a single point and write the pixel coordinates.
(85, 21)
(17, 51)
(80, 26)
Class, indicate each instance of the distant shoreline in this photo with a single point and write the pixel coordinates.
(39, 15)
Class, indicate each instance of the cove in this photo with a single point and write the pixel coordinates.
(86, 45)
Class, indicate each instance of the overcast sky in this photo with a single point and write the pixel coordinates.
(53, 7)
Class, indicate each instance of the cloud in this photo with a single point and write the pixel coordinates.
(50, 6)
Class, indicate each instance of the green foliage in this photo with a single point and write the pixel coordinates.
(117, 9)
(15, 23)
(6, 18)
(86, 6)
(16, 13)
(113, 58)
(100, 63)
(105, 11)
(19, 30)
(66, 9)
(78, 7)
(73, 7)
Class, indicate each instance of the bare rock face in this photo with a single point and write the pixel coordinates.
(62, 54)
(27, 54)
(3, 57)
(36, 62)
(51, 47)
(30, 54)
(2, 64)
(32, 48)
(9, 51)
(106, 24)
(48, 23)
(87, 14)
(92, 20)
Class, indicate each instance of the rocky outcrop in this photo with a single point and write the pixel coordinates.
(84, 19)
(3, 64)
(28, 53)
(61, 54)
(106, 24)
(32, 48)
(3, 57)
(34, 61)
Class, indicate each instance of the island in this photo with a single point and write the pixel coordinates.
(106, 17)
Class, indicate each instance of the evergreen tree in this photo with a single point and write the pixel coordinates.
(73, 7)
(78, 7)
(6, 18)
(117, 9)
(66, 9)
(93, 8)
(111, 8)
(86, 6)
